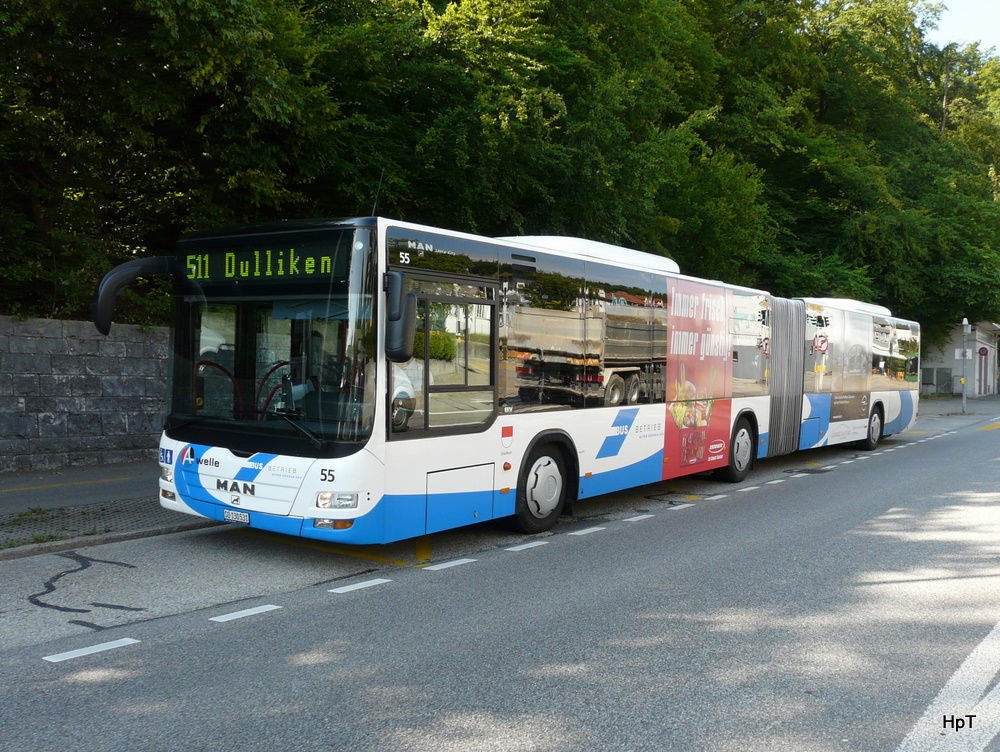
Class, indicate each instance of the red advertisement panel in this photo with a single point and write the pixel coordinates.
(699, 378)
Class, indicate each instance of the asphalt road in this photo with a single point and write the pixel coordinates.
(845, 602)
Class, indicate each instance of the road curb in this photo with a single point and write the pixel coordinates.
(87, 541)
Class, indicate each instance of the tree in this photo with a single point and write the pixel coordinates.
(123, 122)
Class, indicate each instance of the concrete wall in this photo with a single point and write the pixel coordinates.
(70, 396)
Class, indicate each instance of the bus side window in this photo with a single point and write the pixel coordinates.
(459, 356)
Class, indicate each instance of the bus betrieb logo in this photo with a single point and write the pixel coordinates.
(619, 432)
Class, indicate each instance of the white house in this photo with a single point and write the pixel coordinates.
(941, 369)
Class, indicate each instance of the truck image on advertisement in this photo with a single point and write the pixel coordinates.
(609, 350)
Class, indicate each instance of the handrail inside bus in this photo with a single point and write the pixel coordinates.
(236, 386)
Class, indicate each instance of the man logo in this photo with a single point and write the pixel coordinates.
(234, 500)
(235, 486)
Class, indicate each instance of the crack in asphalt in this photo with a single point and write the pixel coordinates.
(84, 562)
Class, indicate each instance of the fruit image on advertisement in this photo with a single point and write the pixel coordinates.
(699, 376)
(692, 412)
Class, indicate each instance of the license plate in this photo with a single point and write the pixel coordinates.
(231, 515)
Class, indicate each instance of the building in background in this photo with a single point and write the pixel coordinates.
(941, 369)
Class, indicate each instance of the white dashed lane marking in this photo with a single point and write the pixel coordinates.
(359, 585)
(89, 651)
(243, 613)
(447, 565)
(526, 546)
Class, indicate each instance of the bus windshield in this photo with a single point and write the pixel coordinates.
(275, 348)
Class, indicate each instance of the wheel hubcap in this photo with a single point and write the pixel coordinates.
(544, 487)
(741, 450)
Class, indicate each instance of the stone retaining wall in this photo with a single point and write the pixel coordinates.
(70, 396)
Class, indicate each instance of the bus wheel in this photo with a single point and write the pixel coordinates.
(740, 453)
(614, 391)
(874, 431)
(541, 490)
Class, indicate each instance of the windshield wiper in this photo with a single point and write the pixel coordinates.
(315, 440)
(187, 422)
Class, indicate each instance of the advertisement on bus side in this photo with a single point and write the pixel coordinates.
(699, 377)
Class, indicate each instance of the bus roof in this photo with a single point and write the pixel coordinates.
(595, 250)
(847, 304)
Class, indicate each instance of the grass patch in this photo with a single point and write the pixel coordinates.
(31, 515)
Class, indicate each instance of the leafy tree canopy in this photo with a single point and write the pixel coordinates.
(810, 147)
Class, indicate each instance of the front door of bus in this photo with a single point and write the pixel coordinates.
(444, 398)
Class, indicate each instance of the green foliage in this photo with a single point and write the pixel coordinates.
(123, 123)
(811, 147)
(553, 291)
(442, 345)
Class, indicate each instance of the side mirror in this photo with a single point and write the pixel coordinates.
(400, 318)
(117, 279)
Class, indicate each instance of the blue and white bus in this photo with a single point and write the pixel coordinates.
(369, 380)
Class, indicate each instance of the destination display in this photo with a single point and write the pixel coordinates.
(284, 263)
(274, 257)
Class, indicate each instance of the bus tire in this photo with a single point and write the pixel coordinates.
(614, 391)
(740, 453)
(632, 389)
(541, 490)
(874, 435)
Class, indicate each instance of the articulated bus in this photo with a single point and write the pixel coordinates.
(369, 380)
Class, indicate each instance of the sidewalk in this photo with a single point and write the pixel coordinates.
(950, 409)
(75, 507)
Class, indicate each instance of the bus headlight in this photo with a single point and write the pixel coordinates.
(333, 500)
(167, 474)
